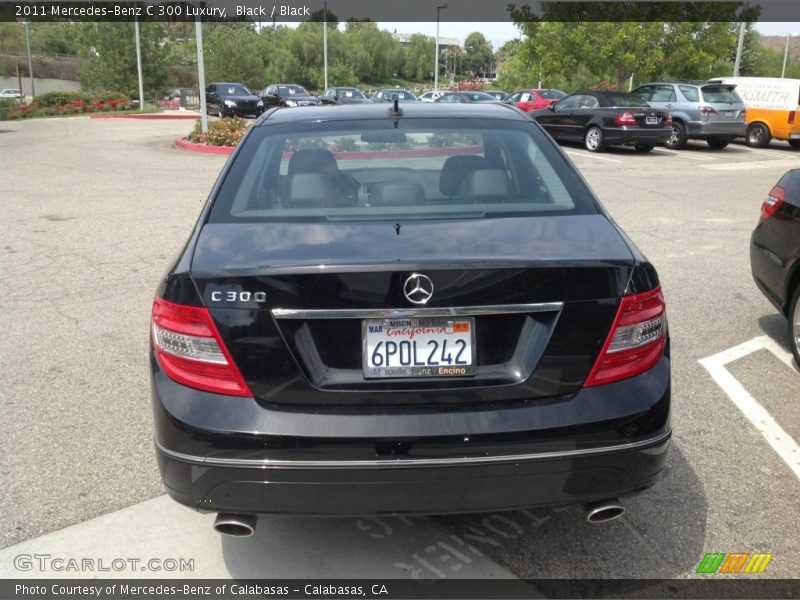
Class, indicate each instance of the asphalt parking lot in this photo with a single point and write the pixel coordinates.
(92, 213)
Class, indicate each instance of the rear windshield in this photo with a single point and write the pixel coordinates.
(552, 94)
(234, 90)
(479, 96)
(370, 170)
(720, 94)
(622, 100)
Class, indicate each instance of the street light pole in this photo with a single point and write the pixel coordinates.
(436, 60)
(201, 73)
(30, 60)
(139, 62)
(325, 39)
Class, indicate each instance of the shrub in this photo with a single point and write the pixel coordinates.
(224, 132)
(106, 97)
(8, 107)
(56, 99)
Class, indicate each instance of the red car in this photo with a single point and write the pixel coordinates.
(527, 100)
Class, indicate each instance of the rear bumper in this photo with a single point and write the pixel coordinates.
(598, 443)
(769, 272)
(637, 136)
(704, 129)
(456, 488)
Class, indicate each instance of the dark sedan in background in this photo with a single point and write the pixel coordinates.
(450, 326)
(287, 94)
(343, 95)
(226, 99)
(462, 97)
(498, 95)
(601, 119)
(775, 252)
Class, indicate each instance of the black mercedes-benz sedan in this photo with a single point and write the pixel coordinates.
(287, 95)
(775, 252)
(227, 99)
(401, 309)
(602, 119)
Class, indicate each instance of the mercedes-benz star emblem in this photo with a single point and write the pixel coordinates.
(418, 288)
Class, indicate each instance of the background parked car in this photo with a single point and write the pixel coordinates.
(775, 252)
(710, 112)
(772, 108)
(12, 93)
(224, 99)
(599, 119)
(498, 95)
(287, 94)
(387, 95)
(528, 100)
(431, 96)
(462, 97)
(343, 95)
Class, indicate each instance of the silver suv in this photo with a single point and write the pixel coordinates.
(700, 111)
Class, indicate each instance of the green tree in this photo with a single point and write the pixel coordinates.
(478, 55)
(233, 54)
(108, 58)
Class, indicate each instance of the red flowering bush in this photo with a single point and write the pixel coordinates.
(69, 103)
(223, 132)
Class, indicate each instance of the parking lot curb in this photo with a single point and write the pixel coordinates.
(146, 116)
(182, 143)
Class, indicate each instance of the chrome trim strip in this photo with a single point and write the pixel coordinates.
(411, 462)
(401, 313)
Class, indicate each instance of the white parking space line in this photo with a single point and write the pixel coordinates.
(685, 154)
(782, 443)
(588, 155)
(766, 152)
(752, 165)
(285, 547)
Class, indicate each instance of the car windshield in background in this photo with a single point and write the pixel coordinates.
(720, 94)
(234, 90)
(621, 100)
(552, 94)
(401, 95)
(368, 172)
(349, 93)
(480, 96)
(292, 90)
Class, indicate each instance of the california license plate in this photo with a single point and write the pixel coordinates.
(651, 120)
(442, 347)
(729, 114)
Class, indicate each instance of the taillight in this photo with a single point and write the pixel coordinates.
(707, 111)
(636, 341)
(791, 117)
(773, 202)
(625, 118)
(668, 121)
(190, 351)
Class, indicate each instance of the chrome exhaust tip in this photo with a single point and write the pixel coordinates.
(604, 511)
(235, 525)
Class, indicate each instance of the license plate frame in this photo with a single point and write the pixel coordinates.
(651, 120)
(415, 369)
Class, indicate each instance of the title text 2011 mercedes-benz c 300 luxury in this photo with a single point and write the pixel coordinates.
(406, 309)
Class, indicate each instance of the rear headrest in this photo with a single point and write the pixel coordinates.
(455, 169)
(312, 161)
(306, 190)
(490, 184)
(396, 194)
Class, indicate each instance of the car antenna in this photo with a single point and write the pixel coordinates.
(396, 112)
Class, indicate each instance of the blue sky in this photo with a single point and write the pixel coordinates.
(499, 33)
